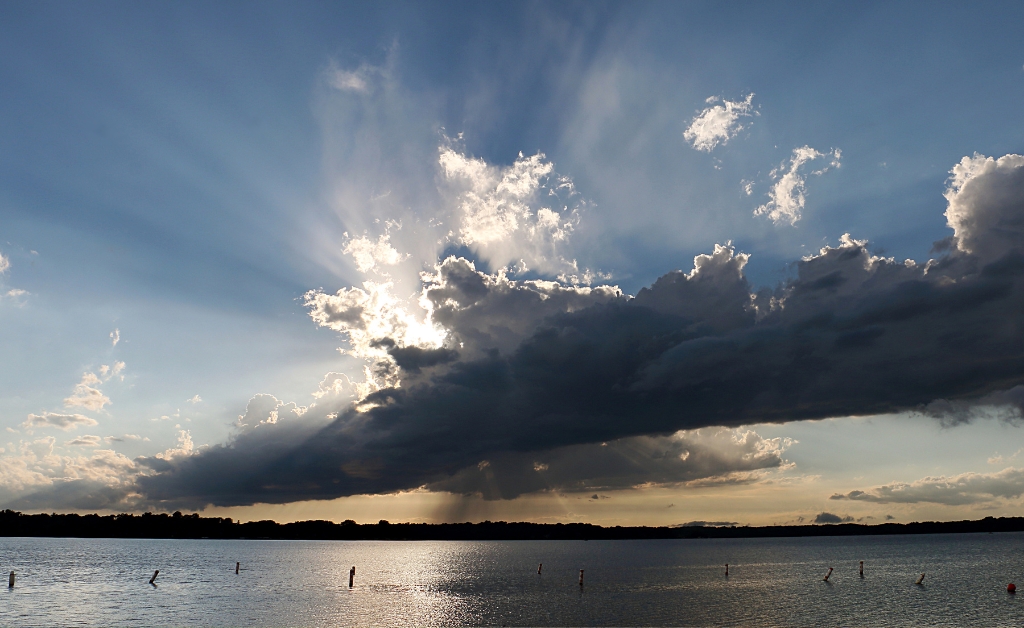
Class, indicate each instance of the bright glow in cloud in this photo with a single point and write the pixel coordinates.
(510, 216)
(4, 263)
(369, 255)
(786, 198)
(718, 124)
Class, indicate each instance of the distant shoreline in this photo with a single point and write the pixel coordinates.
(178, 526)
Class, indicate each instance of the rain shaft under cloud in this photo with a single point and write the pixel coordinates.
(532, 374)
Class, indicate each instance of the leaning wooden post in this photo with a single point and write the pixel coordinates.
(152, 580)
(920, 580)
(827, 575)
(539, 567)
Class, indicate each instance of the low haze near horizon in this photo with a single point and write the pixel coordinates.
(622, 263)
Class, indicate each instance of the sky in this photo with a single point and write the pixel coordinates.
(623, 263)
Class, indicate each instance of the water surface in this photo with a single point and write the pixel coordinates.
(771, 582)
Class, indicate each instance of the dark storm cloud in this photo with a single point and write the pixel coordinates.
(624, 463)
(851, 334)
(413, 358)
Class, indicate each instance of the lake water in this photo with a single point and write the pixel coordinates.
(771, 582)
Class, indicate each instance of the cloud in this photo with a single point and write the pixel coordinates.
(103, 480)
(957, 490)
(705, 524)
(521, 215)
(369, 254)
(719, 123)
(535, 375)
(86, 395)
(980, 189)
(195, 399)
(115, 337)
(4, 263)
(183, 449)
(625, 463)
(827, 517)
(33, 476)
(786, 198)
(121, 439)
(335, 386)
(358, 80)
(86, 440)
(60, 421)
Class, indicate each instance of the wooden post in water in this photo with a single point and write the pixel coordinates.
(727, 569)
(827, 575)
(10, 581)
(351, 576)
(539, 567)
(862, 569)
(237, 565)
(581, 577)
(152, 580)
(920, 580)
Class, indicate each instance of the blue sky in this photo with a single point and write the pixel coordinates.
(186, 174)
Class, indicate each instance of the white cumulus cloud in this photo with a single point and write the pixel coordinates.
(983, 222)
(719, 123)
(787, 196)
(86, 395)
